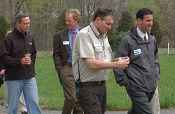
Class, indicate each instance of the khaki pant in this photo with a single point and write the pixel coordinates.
(155, 102)
(70, 99)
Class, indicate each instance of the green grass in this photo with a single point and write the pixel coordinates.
(51, 94)
(117, 98)
(167, 81)
(50, 90)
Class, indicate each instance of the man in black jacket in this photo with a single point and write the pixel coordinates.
(140, 78)
(18, 53)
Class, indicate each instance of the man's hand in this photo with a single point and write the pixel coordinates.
(26, 60)
(121, 62)
(2, 72)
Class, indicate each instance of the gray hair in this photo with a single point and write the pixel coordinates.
(76, 14)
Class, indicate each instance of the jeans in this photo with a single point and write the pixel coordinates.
(29, 89)
(22, 105)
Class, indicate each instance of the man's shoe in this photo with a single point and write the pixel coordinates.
(24, 112)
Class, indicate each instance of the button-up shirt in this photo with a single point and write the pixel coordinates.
(71, 35)
(142, 34)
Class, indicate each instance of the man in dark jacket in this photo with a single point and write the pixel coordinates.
(18, 53)
(140, 78)
(62, 54)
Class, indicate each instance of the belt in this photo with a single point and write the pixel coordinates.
(69, 65)
(93, 83)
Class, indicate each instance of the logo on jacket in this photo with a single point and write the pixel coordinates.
(137, 51)
(65, 42)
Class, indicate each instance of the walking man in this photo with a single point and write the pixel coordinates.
(91, 58)
(18, 53)
(62, 53)
(142, 74)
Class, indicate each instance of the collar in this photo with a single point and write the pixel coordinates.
(76, 29)
(142, 34)
(16, 31)
(96, 32)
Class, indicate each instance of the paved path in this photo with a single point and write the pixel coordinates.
(169, 111)
(164, 111)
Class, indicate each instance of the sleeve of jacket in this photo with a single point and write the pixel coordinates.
(56, 52)
(34, 52)
(120, 75)
(5, 53)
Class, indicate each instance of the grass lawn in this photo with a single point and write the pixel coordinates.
(51, 94)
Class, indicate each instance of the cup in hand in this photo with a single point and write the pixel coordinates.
(124, 58)
(27, 58)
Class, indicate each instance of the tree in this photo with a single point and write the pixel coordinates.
(125, 23)
(157, 31)
(4, 27)
(46, 15)
(167, 20)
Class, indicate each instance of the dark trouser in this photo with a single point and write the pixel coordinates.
(70, 101)
(92, 97)
(141, 102)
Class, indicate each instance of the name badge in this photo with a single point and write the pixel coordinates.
(30, 43)
(98, 47)
(137, 51)
(65, 42)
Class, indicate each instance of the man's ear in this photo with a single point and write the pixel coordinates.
(139, 21)
(98, 19)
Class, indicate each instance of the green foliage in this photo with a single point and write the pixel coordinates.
(134, 5)
(115, 39)
(60, 23)
(126, 22)
(4, 26)
(117, 34)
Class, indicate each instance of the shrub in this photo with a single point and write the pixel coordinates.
(4, 26)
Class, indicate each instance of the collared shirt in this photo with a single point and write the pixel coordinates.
(141, 34)
(96, 32)
(90, 45)
(70, 36)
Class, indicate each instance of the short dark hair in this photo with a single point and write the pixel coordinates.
(142, 12)
(101, 12)
(19, 16)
